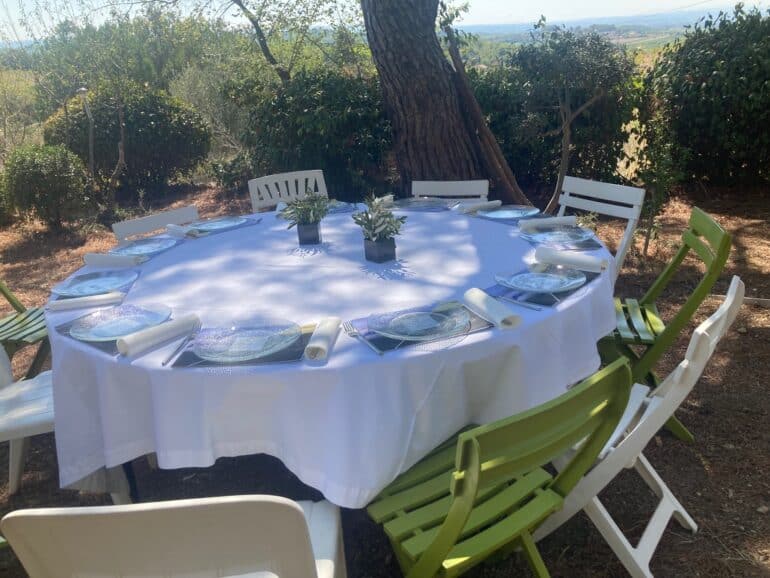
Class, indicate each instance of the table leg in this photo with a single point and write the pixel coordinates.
(128, 469)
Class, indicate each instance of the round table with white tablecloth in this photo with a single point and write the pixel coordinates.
(349, 426)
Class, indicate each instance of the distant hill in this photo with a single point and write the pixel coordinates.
(662, 21)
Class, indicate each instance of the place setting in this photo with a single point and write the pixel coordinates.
(507, 214)
(555, 275)
(429, 327)
(97, 288)
(205, 227)
(558, 233)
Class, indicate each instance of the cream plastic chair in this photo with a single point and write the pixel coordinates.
(451, 189)
(125, 229)
(617, 201)
(284, 187)
(26, 409)
(645, 415)
(255, 536)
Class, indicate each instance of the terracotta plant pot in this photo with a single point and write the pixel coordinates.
(309, 234)
(380, 251)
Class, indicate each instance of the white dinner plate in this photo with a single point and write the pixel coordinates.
(116, 322)
(245, 342)
(552, 279)
(96, 283)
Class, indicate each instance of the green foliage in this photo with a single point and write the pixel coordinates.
(48, 181)
(712, 91)
(322, 118)
(307, 210)
(560, 71)
(378, 222)
(17, 110)
(163, 135)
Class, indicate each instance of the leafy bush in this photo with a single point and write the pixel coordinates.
(326, 119)
(712, 89)
(49, 181)
(521, 98)
(163, 136)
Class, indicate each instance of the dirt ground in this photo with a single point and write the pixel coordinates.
(722, 478)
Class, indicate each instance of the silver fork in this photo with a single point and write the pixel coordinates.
(355, 334)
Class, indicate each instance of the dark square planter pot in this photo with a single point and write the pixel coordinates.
(380, 251)
(309, 234)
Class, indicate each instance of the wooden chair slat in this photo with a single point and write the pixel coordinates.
(622, 323)
(638, 321)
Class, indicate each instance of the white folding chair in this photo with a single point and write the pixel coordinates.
(646, 413)
(617, 201)
(284, 187)
(259, 536)
(125, 229)
(451, 189)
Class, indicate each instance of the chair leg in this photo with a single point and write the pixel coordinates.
(678, 429)
(614, 537)
(534, 559)
(657, 485)
(16, 453)
(37, 362)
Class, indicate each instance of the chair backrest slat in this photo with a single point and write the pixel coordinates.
(589, 411)
(619, 201)
(705, 238)
(125, 229)
(223, 536)
(270, 190)
(475, 189)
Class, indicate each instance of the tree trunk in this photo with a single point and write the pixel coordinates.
(432, 138)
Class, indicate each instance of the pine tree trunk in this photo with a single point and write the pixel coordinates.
(432, 140)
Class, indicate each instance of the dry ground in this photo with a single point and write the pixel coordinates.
(722, 478)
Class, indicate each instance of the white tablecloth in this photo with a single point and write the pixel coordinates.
(350, 426)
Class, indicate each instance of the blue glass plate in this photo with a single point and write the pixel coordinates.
(417, 325)
(145, 247)
(244, 342)
(552, 279)
(96, 283)
(115, 322)
(510, 212)
(220, 224)
(560, 234)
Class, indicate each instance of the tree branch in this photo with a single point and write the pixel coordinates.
(580, 110)
(282, 73)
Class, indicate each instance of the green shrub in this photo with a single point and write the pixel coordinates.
(712, 90)
(521, 99)
(49, 181)
(323, 118)
(163, 136)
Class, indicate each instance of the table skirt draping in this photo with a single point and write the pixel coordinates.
(347, 427)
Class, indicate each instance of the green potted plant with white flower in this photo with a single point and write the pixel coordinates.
(306, 213)
(380, 227)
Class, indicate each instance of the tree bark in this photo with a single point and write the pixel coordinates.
(282, 72)
(432, 139)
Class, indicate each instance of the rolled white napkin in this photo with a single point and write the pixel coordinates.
(480, 206)
(531, 225)
(324, 337)
(83, 302)
(141, 341)
(109, 260)
(491, 309)
(184, 231)
(573, 259)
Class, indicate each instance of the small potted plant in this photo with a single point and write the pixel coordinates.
(380, 227)
(306, 213)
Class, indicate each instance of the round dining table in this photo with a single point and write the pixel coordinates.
(347, 426)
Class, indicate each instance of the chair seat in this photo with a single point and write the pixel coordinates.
(323, 522)
(415, 505)
(638, 323)
(26, 408)
(23, 328)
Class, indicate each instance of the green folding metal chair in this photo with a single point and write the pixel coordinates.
(25, 327)
(459, 506)
(640, 324)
